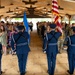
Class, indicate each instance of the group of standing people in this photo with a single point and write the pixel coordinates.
(19, 43)
(51, 48)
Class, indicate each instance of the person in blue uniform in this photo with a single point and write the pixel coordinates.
(19, 44)
(70, 43)
(51, 48)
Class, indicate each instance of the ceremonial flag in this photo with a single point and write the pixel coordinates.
(56, 14)
(25, 22)
(26, 25)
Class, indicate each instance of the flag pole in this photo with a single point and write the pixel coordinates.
(52, 13)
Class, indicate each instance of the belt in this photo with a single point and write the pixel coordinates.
(52, 44)
(21, 44)
(72, 44)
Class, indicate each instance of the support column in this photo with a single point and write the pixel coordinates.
(69, 16)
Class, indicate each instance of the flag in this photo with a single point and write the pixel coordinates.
(26, 25)
(25, 22)
(55, 12)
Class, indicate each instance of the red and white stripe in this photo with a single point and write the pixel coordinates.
(56, 14)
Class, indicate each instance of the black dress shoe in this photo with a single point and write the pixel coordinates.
(47, 71)
(22, 74)
(2, 72)
(69, 72)
(50, 74)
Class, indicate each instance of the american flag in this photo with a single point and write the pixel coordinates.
(55, 12)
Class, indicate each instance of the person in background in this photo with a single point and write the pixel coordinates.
(43, 30)
(51, 48)
(71, 30)
(19, 43)
(67, 29)
(0, 56)
(3, 38)
(44, 40)
(70, 43)
(61, 39)
(13, 31)
(31, 26)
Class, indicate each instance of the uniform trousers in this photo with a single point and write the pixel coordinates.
(51, 59)
(22, 60)
(71, 60)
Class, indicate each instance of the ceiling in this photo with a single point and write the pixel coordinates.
(34, 8)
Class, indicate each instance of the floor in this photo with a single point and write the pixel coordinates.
(37, 61)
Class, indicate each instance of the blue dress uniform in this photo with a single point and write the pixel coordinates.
(0, 58)
(70, 42)
(51, 48)
(22, 48)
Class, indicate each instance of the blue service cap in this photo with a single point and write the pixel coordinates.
(53, 25)
(73, 28)
(20, 27)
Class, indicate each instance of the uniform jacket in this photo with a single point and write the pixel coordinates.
(22, 43)
(51, 40)
(70, 42)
